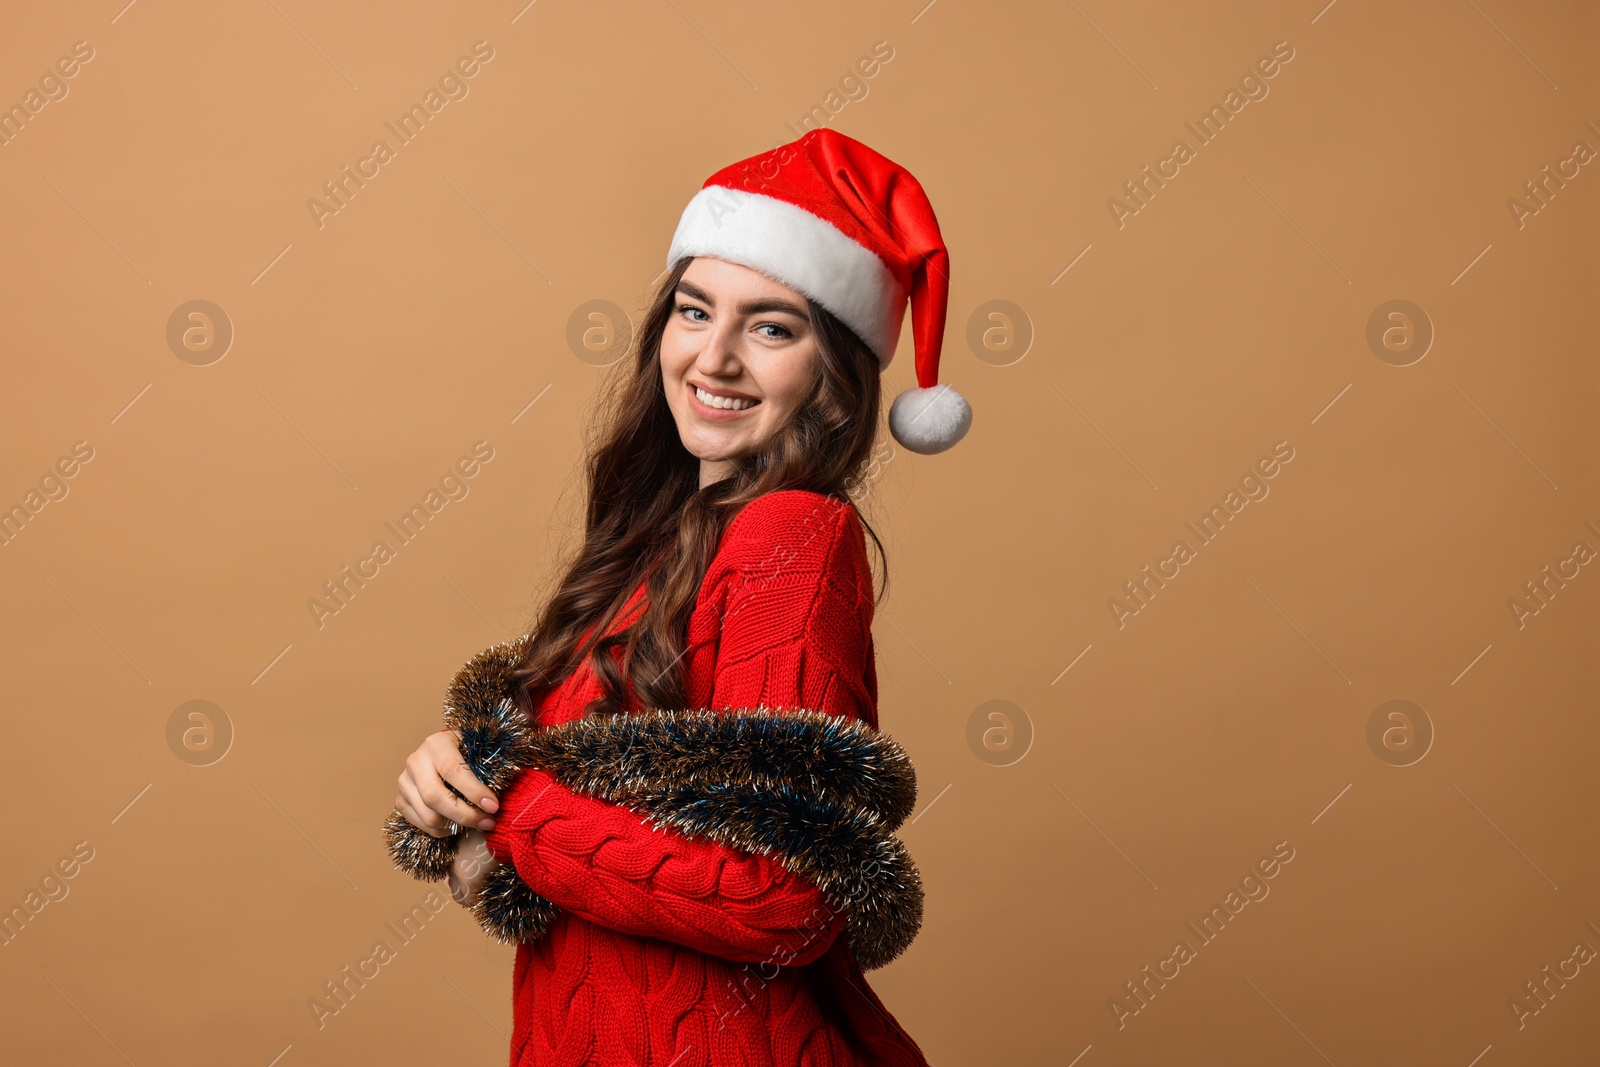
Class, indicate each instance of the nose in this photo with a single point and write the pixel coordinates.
(719, 356)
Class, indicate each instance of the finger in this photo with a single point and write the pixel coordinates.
(421, 815)
(432, 792)
(407, 810)
(437, 796)
(452, 768)
(403, 806)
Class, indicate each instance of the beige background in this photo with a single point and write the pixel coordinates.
(1229, 314)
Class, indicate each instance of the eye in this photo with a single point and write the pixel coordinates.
(692, 311)
(783, 331)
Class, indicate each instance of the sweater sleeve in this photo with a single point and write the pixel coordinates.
(603, 863)
(794, 634)
(797, 601)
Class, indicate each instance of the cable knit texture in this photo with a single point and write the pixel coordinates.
(677, 951)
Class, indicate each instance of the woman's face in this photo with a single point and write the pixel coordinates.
(747, 341)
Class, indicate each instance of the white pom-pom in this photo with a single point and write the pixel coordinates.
(929, 420)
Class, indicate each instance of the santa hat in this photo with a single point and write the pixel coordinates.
(854, 232)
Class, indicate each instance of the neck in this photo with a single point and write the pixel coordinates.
(714, 470)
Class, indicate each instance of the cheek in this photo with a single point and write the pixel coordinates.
(789, 383)
(677, 353)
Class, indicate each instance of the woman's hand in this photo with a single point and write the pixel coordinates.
(428, 804)
(471, 867)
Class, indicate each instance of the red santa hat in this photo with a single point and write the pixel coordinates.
(854, 232)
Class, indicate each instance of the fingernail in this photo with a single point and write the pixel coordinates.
(486, 824)
(488, 804)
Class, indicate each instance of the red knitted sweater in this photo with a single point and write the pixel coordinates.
(673, 951)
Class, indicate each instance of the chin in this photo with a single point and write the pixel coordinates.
(715, 455)
(697, 446)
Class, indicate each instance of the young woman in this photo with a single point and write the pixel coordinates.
(694, 847)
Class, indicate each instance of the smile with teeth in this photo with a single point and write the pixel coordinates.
(711, 400)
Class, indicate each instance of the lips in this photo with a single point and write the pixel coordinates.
(714, 413)
(731, 394)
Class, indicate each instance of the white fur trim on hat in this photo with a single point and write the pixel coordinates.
(801, 250)
(929, 420)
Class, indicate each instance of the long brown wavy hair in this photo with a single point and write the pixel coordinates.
(648, 518)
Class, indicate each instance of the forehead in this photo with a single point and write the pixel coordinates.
(723, 278)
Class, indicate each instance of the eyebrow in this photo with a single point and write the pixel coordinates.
(749, 307)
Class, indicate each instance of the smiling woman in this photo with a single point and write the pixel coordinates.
(738, 357)
(690, 809)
